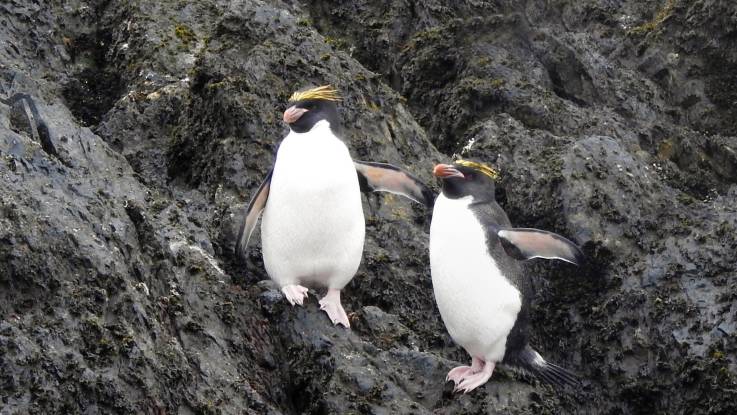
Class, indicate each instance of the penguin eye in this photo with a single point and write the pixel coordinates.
(469, 176)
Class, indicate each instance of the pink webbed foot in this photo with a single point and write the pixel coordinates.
(477, 379)
(331, 305)
(461, 372)
(295, 294)
(457, 374)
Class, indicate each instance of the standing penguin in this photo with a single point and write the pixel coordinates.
(313, 227)
(482, 294)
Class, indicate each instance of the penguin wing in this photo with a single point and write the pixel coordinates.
(527, 243)
(255, 207)
(381, 177)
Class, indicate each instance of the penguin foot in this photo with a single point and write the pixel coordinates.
(295, 294)
(477, 379)
(461, 372)
(331, 305)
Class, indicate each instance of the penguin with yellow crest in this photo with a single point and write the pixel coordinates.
(481, 291)
(312, 230)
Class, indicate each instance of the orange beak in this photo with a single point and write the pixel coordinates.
(292, 114)
(444, 171)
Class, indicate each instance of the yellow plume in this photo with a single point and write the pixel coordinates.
(324, 93)
(481, 168)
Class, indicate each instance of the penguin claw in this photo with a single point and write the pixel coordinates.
(336, 313)
(458, 374)
(475, 380)
(295, 294)
(330, 304)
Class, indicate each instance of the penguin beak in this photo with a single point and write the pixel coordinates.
(445, 171)
(292, 114)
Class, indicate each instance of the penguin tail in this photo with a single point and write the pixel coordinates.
(531, 361)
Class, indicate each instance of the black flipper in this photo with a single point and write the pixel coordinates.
(255, 207)
(381, 177)
(531, 361)
(526, 243)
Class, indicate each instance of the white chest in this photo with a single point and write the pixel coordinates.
(477, 303)
(313, 159)
(313, 169)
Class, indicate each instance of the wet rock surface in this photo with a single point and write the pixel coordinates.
(132, 134)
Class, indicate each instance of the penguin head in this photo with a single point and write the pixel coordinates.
(466, 178)
(311, 106)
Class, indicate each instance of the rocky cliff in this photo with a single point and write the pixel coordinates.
(133, 133)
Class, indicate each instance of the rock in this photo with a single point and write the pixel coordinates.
(728, 329)
(132, 136)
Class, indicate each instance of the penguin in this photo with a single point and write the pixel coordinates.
(480, 289)
(313, 228)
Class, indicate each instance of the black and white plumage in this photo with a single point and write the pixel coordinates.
(313, 227)
(481, 291)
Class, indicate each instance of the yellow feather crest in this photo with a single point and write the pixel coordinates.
(324, 93)
(481, 168)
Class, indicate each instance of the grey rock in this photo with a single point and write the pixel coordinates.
(145, 127)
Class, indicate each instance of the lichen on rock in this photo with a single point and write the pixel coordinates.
(139, 131)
